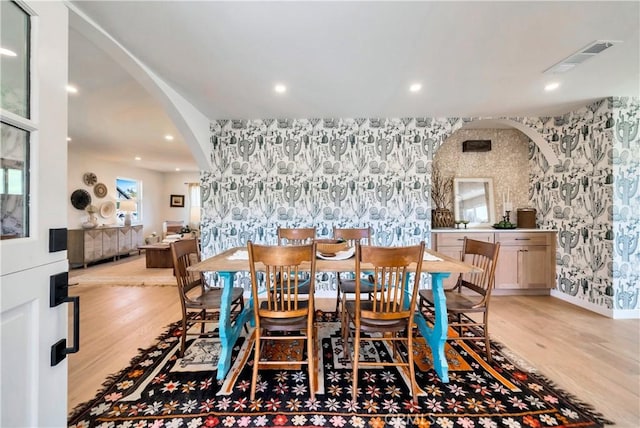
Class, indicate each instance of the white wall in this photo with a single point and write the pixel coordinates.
(156, 190)
(176, 184)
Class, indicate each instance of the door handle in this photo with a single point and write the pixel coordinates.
(58, 294)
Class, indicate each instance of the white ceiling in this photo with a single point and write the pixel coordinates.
(339, 59)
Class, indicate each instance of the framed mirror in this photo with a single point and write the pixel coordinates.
(474, 201)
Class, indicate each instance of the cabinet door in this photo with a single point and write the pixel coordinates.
(534, 267)
(109, 242)
(507, 268)
(92, 245)
(523, 267)
(136, 237)
(124, 240)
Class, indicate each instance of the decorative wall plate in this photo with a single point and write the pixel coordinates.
(100, 190)
(80, 199)
(107, 209)
(89, 178)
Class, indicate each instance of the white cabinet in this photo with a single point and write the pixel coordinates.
(85, 246)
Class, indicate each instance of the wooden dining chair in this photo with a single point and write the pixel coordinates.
(470, 297)
(388, 316)
(199, 303)
(280, 309)
(296, 236)
(348, 286)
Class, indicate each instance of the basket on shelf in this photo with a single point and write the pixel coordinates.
(330, 246)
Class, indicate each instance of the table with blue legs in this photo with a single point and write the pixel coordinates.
(229, 262)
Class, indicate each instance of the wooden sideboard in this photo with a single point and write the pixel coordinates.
(85, 246)
(526, 262)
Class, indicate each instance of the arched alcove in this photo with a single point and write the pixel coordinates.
(507, 164)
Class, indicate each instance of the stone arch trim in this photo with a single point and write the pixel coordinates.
(533, 134)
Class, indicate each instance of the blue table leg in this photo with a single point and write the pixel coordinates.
(230, 333)
(437, 336)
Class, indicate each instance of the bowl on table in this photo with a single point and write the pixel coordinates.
(330, 247)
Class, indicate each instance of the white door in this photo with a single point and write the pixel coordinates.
(34, 194)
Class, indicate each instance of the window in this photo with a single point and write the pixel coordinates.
(131, 191)
(194, 205)
(15, 125)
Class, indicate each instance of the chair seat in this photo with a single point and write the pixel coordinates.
(212, 298)
(456, 302)
(284, 324)
(372, 324)
(349, 286)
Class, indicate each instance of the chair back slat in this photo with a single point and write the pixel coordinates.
(483, 255)
(354, 235)
(282, 266)
(185, 253)
(393, 268)
(296, 236)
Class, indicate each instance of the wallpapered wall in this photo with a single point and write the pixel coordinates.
(507, 164)
(591, 198)
(377, 172)
(322, 173)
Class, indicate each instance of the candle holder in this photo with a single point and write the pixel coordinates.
(507, 216)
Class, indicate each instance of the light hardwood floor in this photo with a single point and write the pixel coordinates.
(591, 357)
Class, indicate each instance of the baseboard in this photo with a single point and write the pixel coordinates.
(626, 314)
(618, 314)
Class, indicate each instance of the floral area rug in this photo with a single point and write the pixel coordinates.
(160, 389)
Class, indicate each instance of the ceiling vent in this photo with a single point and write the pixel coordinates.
(581, 56)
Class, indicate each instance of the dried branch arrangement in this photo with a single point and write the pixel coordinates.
(441, 189)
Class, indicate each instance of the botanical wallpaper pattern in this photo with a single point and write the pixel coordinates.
(322, 173)
(591, 199)
(377, 172)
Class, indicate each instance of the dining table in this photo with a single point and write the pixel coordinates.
(234, 260)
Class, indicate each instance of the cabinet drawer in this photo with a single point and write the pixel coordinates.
(456, 239)
(524, 238)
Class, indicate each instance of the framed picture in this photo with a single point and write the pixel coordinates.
(176, 201)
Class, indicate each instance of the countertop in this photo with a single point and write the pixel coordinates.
(487, 229)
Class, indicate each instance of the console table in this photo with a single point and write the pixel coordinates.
(85, 246)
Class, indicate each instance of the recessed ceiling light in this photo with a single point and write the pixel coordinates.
(7, 52)
(168, 137)
(280, 88)
(552, 86)
(138, 158)
(72, 89)
(68, 138)
(177, 169)
(415, 87)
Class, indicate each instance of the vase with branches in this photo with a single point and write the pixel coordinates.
(441, 189)
(442, 196)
